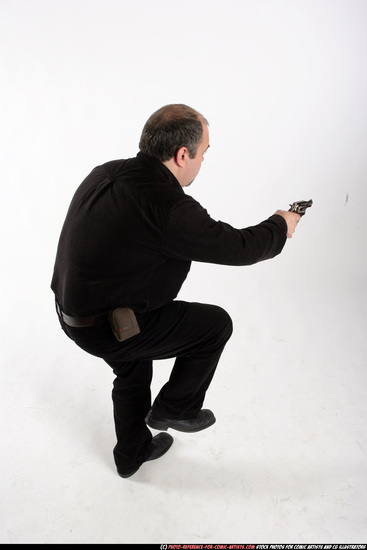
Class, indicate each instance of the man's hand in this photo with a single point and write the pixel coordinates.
(291, 218)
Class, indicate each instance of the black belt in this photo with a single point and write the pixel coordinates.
(76, 321)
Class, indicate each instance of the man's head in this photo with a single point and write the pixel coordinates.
(178, 136)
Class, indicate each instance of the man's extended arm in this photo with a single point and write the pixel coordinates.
(191, 234)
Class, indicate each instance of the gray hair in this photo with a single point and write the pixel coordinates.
(169, 128)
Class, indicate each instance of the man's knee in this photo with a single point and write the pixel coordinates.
(223, 322)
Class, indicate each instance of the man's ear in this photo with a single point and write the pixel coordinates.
(181, 156)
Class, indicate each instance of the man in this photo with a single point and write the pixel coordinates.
(125, 249)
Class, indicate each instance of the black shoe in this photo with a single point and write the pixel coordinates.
(203, 420)
(158, 446)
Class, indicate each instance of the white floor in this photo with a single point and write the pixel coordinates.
(284, 86)
(286, 461)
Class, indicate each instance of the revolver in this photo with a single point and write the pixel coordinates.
(300, 207)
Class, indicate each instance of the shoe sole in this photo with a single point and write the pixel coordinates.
(128, 475)
(187, 429)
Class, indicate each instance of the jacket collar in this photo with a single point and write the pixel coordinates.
(158, 167)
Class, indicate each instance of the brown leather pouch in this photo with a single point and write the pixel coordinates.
(123, 323)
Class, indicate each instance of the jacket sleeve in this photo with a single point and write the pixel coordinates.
(191, 234)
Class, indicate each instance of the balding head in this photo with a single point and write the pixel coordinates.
(170, 128)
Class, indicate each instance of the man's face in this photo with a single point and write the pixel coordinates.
(194, 164)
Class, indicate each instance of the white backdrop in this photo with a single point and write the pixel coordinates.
(284, 85)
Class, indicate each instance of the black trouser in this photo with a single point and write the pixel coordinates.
(193, 333)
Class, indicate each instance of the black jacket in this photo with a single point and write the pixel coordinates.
(131, 233)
